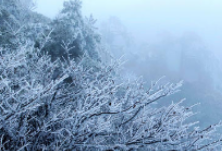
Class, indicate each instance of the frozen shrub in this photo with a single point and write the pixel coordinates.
(96, 111)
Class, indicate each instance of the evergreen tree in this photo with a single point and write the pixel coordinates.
(71, 30)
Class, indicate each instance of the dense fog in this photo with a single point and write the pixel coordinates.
(108, 75)
(180, 40)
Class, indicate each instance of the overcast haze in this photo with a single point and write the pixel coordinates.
(148, 18)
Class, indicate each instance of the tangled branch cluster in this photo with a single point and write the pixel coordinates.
(64, 106)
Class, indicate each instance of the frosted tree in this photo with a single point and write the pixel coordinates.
(19, 24)
(77, 33)
(67, 105)
(40, 110)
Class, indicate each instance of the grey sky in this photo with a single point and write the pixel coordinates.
(147, 18)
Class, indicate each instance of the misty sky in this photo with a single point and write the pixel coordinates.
(147, 19)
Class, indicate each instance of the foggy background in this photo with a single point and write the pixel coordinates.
(179, 39)
(148, 18)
